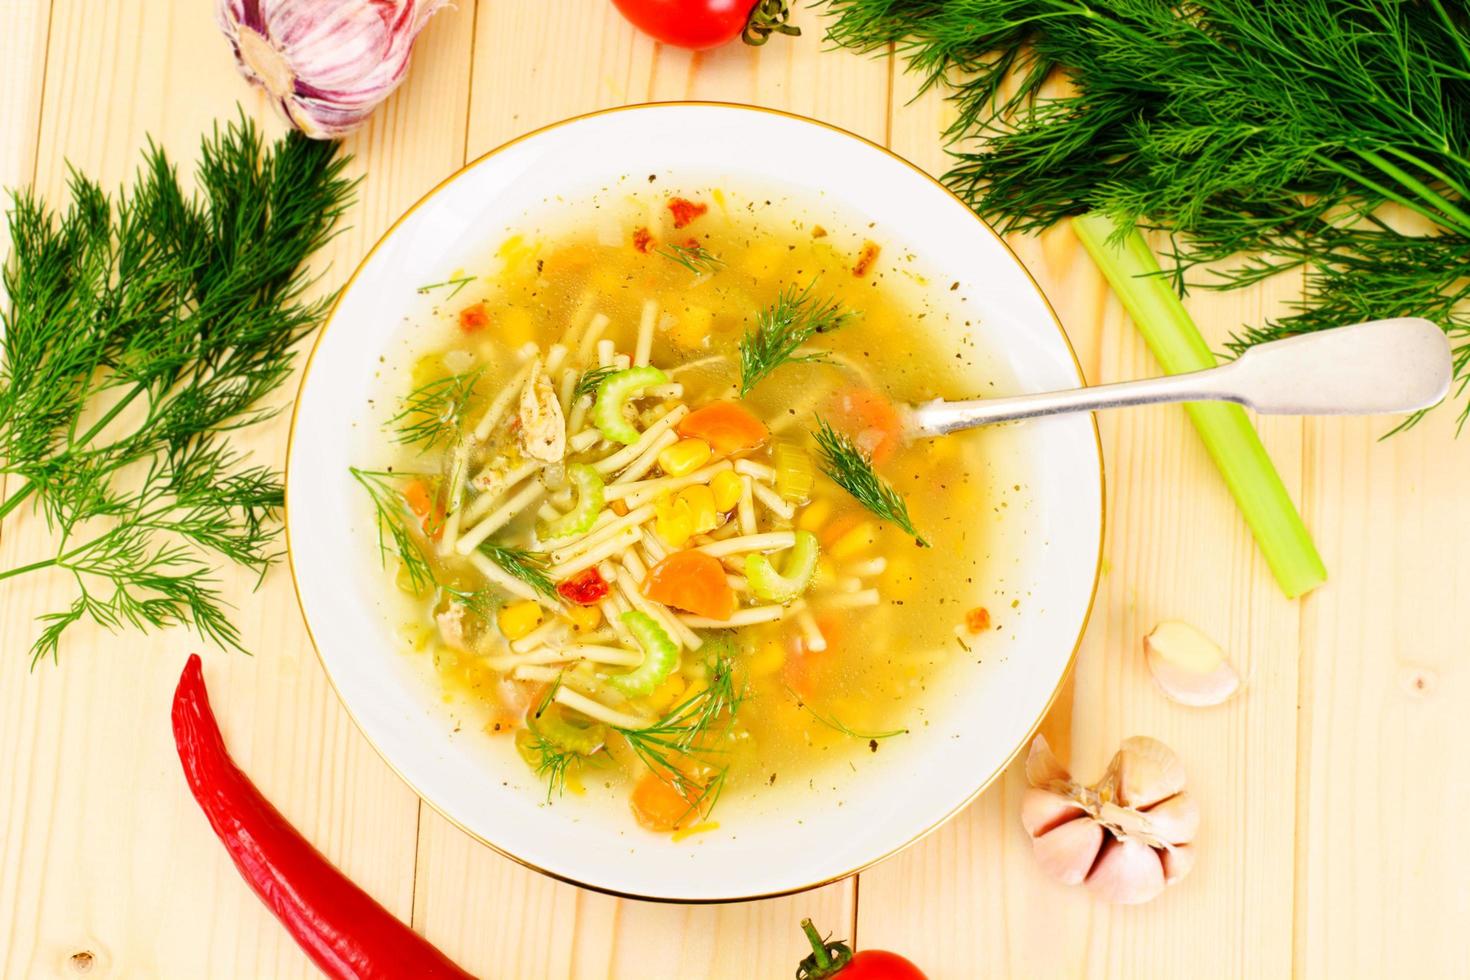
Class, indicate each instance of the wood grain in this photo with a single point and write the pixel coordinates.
(1332, 788)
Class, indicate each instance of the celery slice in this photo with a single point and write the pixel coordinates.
(589, 486)
(1132, 270)
(554, 727)
(795, 473)
(613, 395)
(660, 656)
(775, 586)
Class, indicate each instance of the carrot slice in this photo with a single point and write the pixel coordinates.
(473, 318)
(806, 671)
(424, 507)
(658, 806)
(728, 427)
(870, 420)
(692, 581)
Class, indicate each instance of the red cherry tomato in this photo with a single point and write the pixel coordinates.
(879, 964)
(835, 961)
(700, 24)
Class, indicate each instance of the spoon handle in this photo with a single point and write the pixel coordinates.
(1398, 365)
(939, 417)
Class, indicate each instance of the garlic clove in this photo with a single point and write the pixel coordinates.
(1188, 666)
(1175, 820)
(1042, 767)
(1067, 852)
(1043, 810)
(1127, 873)
(1144, 772)
(1178, 862)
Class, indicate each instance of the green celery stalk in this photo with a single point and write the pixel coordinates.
(1131, 269)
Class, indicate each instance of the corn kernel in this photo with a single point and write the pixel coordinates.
(854, 542)
(663, 696)
(518, 619)
(674, 523)
(767, 659)
(815, 514)
(726, 487)
(584, 619)
(692, 328)
(684, 456)
(701, 501)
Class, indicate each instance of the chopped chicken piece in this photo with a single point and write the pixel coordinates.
(543, 429)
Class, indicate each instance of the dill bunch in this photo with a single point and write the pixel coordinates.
(1267, 136)
(141, 332)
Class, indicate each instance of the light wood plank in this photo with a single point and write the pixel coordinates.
(1384, 778)
(1339, 816)
(104, 852)
(23, 69)
(1176, 549)
(530, 70)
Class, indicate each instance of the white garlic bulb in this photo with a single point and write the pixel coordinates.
(327, 64)
(1127, 837)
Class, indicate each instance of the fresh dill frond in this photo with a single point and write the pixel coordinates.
(847, 467)
(528, 566)
(550, 761)
(458, 284)
(781, 328)
(1260, 137)
(694, 257)
(591, 380)
(399, 532)
(189, 307)
(682, 748)
(549, 696)
(433, 411)
(832, 722)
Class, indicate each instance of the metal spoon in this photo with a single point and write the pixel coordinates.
(1398, 365)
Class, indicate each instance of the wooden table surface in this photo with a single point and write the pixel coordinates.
(1334, 790)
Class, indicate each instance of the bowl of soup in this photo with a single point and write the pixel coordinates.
(607, 529)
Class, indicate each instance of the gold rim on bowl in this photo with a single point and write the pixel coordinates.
(939, 821)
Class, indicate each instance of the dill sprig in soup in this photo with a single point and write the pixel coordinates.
(647, 489)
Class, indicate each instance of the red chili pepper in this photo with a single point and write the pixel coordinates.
(836, 959)
(340, 926)
(585, 588)
(642, 239)
(685, 210)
